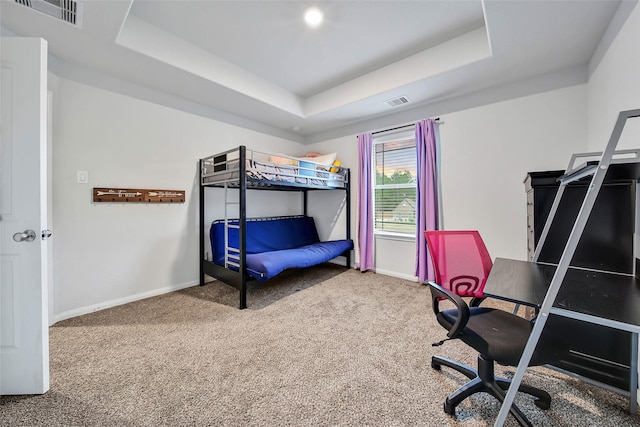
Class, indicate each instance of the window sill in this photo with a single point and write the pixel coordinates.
(390, 235)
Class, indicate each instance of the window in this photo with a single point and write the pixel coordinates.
(394, 162)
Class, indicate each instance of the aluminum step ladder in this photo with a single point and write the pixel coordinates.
(573, 173)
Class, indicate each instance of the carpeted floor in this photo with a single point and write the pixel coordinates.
(319, 347)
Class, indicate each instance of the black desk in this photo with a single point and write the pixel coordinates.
(603, 298)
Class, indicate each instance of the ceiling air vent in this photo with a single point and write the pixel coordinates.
(65, 10)
(396, 102)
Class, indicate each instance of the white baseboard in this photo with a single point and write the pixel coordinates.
(398, 275)
(120, 301)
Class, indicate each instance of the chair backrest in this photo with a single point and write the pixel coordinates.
(461, 261)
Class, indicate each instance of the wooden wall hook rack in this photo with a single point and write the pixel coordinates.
(136, 195)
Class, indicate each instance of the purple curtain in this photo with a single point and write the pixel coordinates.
(365, 202)
(426, 194)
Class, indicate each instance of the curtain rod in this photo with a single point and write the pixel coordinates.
(437, 119)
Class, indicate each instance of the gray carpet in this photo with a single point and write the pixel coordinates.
(319, 347)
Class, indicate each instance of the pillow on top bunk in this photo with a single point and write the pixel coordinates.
(327, 159)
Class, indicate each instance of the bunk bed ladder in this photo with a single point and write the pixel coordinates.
(236, 256)
(598, 173)
(229, 252)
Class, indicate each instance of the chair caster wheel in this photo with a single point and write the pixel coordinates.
(542, 404)
(449, 409)
(435, 365)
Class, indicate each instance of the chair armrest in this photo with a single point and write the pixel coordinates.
(438, 293)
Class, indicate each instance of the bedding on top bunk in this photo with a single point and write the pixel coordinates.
(276, 244)
(305, 173)
(317, 171)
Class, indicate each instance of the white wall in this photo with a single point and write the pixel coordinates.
(106, 254)
(614, 86)
(486, 153)
(333, 227)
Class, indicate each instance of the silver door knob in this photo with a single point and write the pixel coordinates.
(25, 236)
(46, 234)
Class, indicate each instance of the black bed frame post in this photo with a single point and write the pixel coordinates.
(242, 221)
(348, 215)
(305, 202)
(202, 235)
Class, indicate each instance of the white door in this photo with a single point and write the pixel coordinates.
(24, 338)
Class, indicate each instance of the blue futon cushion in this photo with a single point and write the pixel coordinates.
(273, 245)
(268, 264)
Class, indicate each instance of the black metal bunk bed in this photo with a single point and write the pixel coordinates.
(243, 169)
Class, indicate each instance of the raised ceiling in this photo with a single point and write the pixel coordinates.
(256, 63)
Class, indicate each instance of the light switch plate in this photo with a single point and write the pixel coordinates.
(82, 177)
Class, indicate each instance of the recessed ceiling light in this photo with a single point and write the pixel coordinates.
(313, 17)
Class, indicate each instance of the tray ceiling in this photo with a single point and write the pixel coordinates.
(256, 63)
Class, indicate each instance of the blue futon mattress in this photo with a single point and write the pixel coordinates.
(274, 245)
(266, 265)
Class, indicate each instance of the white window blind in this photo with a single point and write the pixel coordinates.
(395, 185)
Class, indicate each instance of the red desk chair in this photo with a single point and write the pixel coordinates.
(462, 265)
